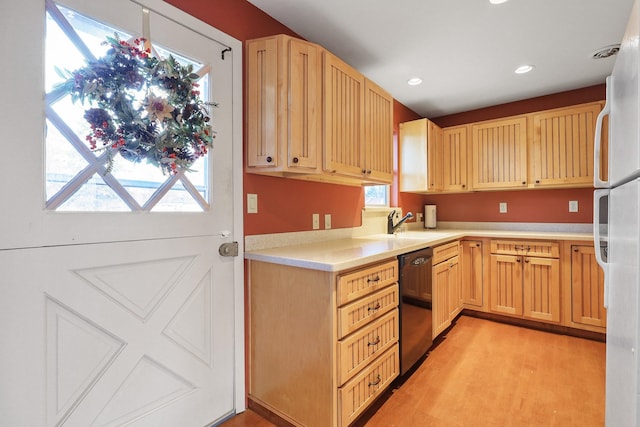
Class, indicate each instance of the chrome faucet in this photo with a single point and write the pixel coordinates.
(392, 228)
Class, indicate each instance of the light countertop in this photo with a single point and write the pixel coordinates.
(343, 254)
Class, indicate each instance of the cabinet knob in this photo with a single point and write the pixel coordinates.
(518, 259)
(369, 172)
(537, 181)
(524, 182)
(464, 186)
(295, 160)
(526, 260)
(269, 159)
(576, 250)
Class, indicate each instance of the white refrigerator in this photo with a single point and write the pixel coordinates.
(617, 229)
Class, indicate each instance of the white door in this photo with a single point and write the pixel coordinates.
(114, 318)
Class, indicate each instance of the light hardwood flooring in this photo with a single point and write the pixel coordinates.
(485, 373)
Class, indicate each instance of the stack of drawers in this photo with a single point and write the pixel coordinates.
(367, 350)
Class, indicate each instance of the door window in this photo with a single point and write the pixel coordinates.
(76, 175)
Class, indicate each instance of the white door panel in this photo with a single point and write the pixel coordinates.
(143, 351)
(624, 150)
(119, 318)
(622, 314)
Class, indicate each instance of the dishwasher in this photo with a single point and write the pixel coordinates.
(415, 307)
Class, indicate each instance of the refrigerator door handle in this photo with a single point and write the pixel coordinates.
(597, 146)
(597, 243)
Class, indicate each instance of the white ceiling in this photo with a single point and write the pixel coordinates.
(466, 51)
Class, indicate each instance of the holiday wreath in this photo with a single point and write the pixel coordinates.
(141, 106)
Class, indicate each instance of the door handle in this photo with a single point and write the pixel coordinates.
(228, 249)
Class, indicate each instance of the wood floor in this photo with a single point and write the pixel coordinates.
(489, 374)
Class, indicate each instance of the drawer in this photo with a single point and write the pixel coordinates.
(525, 247)
(360, 348)
(356, 395)
(360, 312)
(359, 283)
(445, 252)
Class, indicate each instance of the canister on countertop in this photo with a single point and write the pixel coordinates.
(430, 216)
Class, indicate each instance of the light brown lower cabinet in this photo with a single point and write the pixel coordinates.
(525, 279)
(584, 288)
(322, 346)
(447, 291)
(472, 273)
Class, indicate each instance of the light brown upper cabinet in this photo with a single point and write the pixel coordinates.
(284, 102)
(312, 116)
(420, 156)
(358, 124)
(499, 159)
(562, 150)
(378, 133)
(343, 118)
(454, 159)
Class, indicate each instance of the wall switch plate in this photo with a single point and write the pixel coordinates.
(316, 221)
(252, 203)
(503, 207)
(573, 206)
(327, 221)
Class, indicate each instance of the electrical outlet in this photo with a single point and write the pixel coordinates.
(327, 221)
(503, 207)
(573, 206)
(316, 221)
(419, 217)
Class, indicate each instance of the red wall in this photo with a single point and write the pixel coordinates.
(287, 204)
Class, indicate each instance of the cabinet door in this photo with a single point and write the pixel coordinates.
(506, 284)
(587, 288)
(262, 103)
(343, 118)
(454, 159)
(455, 289)
(440, 306)
(499, 154)
(378, 134)
(562, 153)
(471, 272)
(420, 156)
(541, 289)
(284, 105)
(304, 108)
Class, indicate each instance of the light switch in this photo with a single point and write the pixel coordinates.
(316, 221)
(503, 207)
(252, 203)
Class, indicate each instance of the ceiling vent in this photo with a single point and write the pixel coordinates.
(606, 51)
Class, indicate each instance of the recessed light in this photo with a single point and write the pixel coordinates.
(415, 81)
(523, 69)
(498, 1)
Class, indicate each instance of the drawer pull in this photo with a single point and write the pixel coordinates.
(376, 308)
(375, 279)
(376, 382)
(376, 342)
